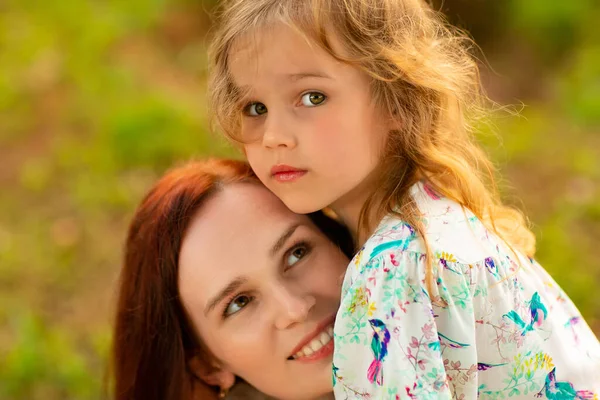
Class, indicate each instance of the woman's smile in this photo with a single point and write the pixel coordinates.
(316, 345)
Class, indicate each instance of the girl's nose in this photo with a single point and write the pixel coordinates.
(278, 133)
(291, 306)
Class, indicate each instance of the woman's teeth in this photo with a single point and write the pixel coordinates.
(315, 345)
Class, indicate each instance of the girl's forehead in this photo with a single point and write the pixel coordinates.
(279, 52)
(253, 42)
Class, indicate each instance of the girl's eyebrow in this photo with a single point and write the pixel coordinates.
(292, 77)
(304, 75)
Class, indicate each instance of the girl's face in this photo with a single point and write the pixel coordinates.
(261, 285)
(314, 134)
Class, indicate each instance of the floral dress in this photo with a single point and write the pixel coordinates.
(495, 325)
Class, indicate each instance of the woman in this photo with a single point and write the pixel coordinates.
(222, 283)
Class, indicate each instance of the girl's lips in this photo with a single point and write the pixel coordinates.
(285, 173)
(289, 176)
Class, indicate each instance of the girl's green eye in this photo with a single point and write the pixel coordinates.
(256, 109)
(237, 304)
(312, 99)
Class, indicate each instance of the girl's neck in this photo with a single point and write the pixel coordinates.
(349, 216)
(348, 209)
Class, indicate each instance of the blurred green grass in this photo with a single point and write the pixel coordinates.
(98, 98)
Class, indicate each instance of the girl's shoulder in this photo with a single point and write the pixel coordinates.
(448, 227)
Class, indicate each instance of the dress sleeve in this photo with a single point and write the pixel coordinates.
(387, 342)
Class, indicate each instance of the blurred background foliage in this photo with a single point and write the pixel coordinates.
(97, 98)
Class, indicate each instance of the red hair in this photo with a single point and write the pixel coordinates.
(153, 338)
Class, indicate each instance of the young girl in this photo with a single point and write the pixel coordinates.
(366, 107)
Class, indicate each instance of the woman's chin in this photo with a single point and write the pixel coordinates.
(316, 385)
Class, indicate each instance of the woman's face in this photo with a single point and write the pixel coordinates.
(262, 287)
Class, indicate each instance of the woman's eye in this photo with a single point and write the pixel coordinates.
(236, 305)
(312, 99)
(255, 109)
(296, 255)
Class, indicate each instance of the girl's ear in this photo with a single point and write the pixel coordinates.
(211, 373)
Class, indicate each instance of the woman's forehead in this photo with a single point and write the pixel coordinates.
(242, 218)
(245, 203)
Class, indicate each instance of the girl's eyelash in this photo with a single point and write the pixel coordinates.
(246, 105)
(313, 91)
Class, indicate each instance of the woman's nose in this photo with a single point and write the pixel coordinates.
(278, 132)
(292, 306)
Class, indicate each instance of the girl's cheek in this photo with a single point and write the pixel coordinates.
(250, 132)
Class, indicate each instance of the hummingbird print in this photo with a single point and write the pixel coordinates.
(555, 390)
(379, 346)
(537, 313)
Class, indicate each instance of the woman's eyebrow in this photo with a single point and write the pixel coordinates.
(283, 238)
(223, 293)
